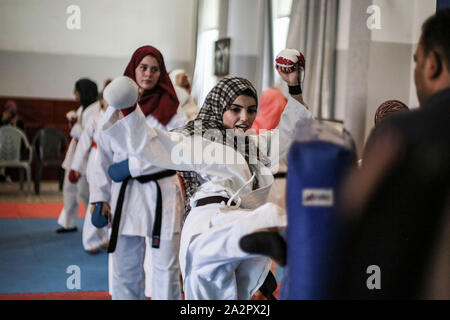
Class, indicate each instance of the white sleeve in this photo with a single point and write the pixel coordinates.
(138, 167)
(276, 143)
(84, 144)
(100, 189)
(292, 114)
(76, 131)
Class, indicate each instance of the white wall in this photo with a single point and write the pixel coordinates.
(376, 65)
(391, 71)
(41, 57)
(245, 27)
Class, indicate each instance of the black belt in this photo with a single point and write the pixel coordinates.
(280, 175)
(214, 199)
(269, 286)
(156, 234)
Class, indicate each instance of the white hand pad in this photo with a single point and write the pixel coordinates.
(121, 93)
(289, 58)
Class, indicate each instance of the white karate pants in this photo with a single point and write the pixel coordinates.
(128, 275)
(71, 191)
(92, 236)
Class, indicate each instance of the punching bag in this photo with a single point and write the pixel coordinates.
(318, 159)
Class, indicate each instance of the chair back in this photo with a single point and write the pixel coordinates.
(49, 144)
(10, 143)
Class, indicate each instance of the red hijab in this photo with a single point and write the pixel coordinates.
(161, 101)
(271, 106)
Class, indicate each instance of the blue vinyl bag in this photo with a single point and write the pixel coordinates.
(318, 159)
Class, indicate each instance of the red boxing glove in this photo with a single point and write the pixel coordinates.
(127, 111)
(73, 177)
(290, 58)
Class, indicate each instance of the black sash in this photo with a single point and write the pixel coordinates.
(269, 286)
(280, 175)
(214, 199)
(156, 234)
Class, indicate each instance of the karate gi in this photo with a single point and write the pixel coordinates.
(126, 266)
(84, 162)
(71, 191)
(212, 264)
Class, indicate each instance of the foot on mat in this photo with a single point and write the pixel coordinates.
(105, 245)
(93, 251)
(64, 230)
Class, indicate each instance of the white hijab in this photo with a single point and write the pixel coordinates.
(182, 94)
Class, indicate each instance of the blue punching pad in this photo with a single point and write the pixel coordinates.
(119, 171)
(319, 158)
(97, 219)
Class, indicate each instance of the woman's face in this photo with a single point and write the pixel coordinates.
(182, 80)
(76, 95)
(147, 73)
(241, 114)
(6, 114)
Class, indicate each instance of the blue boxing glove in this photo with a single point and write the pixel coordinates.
(97, 219)
(119, 171)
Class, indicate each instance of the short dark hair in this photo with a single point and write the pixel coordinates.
(435, 35)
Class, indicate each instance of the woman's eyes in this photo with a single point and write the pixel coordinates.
(238, 110)
(152, 69)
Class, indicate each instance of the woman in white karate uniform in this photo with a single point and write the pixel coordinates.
(228, 198)
(136, 224)
(83, 164)
(87, 94)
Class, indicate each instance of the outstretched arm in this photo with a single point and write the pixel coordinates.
(172, 150)
(160, 148)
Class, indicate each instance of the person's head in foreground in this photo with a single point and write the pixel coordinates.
(432, 57)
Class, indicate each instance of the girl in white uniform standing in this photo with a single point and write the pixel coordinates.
(83, 164)
(150, 206)
(228, 198)
(74, 185)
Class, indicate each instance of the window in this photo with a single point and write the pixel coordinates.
(208, 32)
(204, 78)
(281, 13)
